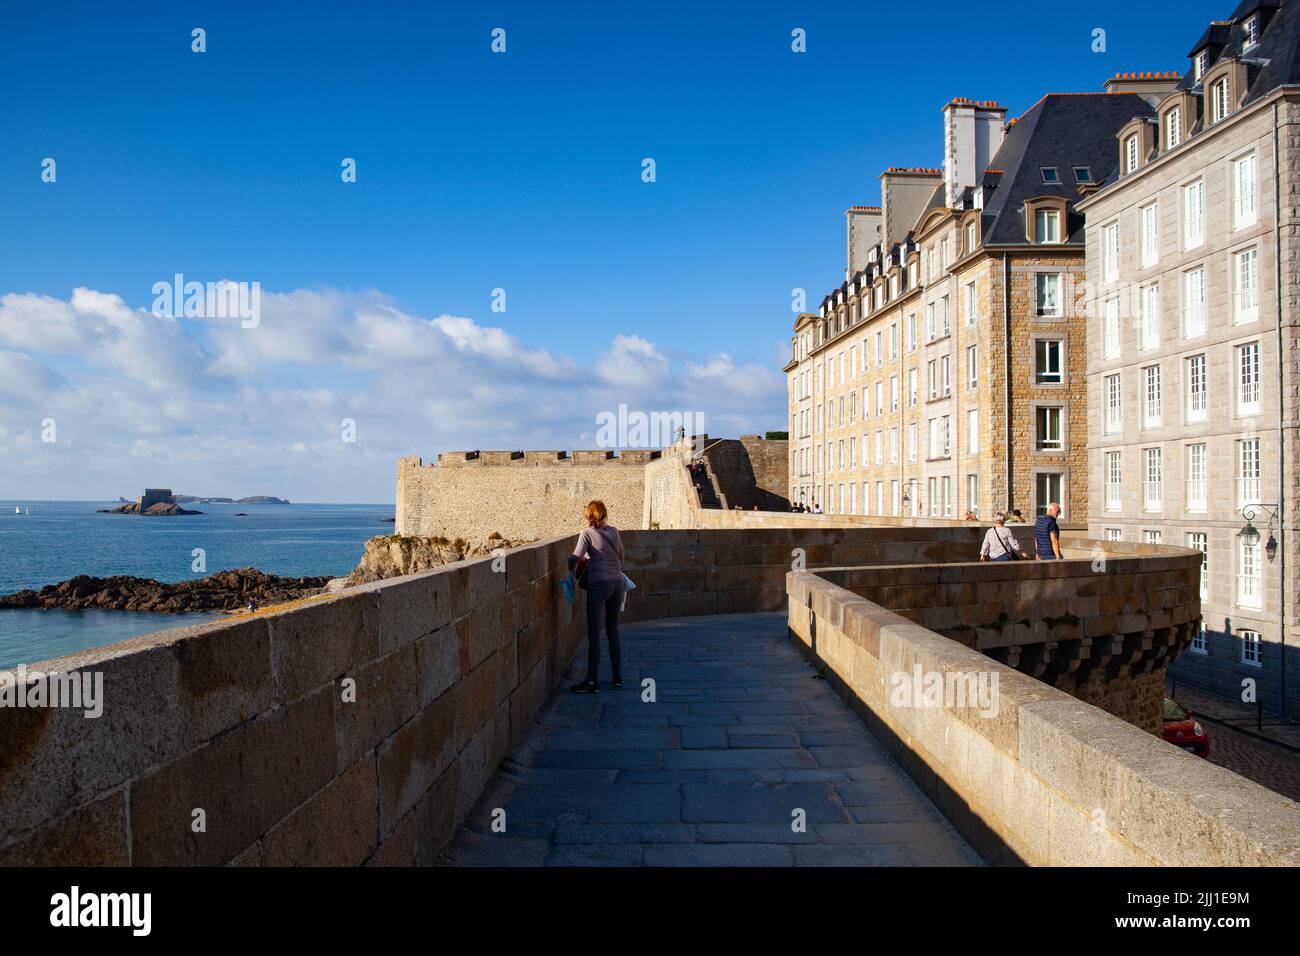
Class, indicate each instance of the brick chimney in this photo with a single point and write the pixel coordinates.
(1152, 87)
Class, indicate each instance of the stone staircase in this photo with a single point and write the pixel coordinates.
(704, 484)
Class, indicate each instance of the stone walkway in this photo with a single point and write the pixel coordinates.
(742, 734)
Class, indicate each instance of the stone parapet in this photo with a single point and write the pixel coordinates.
(361, 727)
(1100, 625)
(1039, 777)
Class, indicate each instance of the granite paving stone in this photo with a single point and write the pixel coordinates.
(741, 736)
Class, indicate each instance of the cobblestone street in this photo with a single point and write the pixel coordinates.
(1267, 763)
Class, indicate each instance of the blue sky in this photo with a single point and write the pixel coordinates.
(475, 171)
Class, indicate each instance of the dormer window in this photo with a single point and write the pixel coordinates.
(1131, 154)
(1047, 225)
(1050, 175)
(1252, 32)
(970, 237)
(1173, 127)
(1082, 174)
(1219, 100)
(1200, 63)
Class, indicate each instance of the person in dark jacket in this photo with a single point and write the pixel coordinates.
(601, 547)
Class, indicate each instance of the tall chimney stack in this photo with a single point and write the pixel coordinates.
(972, 133)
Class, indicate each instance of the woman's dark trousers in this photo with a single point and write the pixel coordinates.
(603, 600)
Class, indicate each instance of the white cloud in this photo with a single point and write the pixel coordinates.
(213, 408)
(102, 330)
(23, 380)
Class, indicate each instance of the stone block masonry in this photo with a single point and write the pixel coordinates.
(1045, 779)
(363, 727)
(519, 495)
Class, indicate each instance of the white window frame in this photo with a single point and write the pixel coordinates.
(1153, 479)
(1114, 403)
(1047, 226)
(1049, 428)
(1149, 319)
(1049, 294)
(1251, 647)
(1197, 473)
(1245, 282)
(1110, 345)
(1250, 575)
(1250, 473)
(1245, 191)
(1194, 302)
(1110, 252)
(1220, 99)
(1114, 480)
(1194, 214)
(1249, 383)
(1198, 394)
(1173, 127)
(1149, 217)
(1152, 397)
(1049, 352)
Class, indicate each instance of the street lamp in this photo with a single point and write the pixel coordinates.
(1250, 534)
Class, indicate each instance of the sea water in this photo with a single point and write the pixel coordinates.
(51, 541)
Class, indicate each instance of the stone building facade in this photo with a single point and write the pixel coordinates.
(1194, 254)
(945, 375)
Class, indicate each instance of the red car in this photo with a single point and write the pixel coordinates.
(1182, 729)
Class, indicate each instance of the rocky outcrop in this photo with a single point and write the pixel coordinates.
(390, 556)
(159, 508)
(223, 591)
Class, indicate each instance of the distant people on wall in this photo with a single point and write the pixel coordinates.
(999, 543)
(1047, 534)
(817, 509)
(970, 516)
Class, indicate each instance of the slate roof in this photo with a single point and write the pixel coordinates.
(1274, 61)
(1062, 130)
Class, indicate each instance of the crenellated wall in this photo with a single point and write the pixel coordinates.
(519, 495)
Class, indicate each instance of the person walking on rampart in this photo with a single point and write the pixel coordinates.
(598, 560)
(999, 543)
(1047, 534)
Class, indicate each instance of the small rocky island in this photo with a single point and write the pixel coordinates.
(154, 501)
(223, 591)
(161, 501)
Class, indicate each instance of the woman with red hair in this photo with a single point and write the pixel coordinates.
(599, 552)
